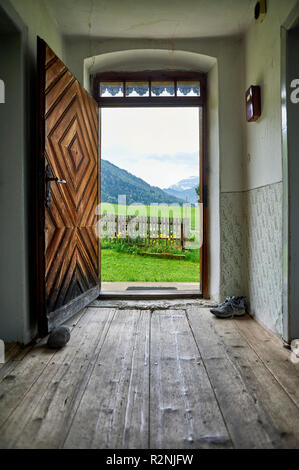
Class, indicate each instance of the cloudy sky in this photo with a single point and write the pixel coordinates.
(159, 145)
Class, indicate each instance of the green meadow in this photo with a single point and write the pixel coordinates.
(118, 266)
(125, 262)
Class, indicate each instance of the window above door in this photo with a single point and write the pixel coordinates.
(149, 89)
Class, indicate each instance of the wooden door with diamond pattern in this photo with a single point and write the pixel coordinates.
(69, 193)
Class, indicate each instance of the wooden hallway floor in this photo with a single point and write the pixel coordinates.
(152, 375)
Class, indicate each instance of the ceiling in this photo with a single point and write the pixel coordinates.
(152, 19)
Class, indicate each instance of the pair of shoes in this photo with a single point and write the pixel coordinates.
(232, 307)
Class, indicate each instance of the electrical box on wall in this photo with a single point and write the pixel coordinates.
(253, 103)
(260, 11)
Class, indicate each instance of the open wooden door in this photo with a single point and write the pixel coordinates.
(69, 193)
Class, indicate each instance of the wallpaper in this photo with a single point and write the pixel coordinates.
(263, 214)
(251, 251)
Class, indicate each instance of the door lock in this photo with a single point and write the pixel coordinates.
(49, 179)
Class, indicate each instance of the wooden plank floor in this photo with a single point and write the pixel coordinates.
(152, 375)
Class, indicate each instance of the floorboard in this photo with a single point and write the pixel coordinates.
(118, 416)
(45, 409)
(151, 375)
(183, 409)
(275, 358)
(245, 412)
(262, 384)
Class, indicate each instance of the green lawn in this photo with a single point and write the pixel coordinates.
(124, 267)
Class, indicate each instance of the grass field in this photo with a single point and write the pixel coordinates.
(157, 211)
(126, 267)
(123, 263)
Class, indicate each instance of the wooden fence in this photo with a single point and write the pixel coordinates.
(146, 231)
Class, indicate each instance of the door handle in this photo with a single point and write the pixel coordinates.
(49, 180)
(56, 180)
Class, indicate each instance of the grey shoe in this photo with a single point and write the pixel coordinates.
(227, 300)
(232, 307)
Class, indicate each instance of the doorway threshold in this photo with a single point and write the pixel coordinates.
(147, 294)
(150, 290)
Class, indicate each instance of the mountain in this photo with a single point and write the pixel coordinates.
(185, 189)
(115, 181)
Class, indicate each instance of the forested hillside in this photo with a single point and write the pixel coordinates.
(115, 181)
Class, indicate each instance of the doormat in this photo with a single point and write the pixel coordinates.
(151, 288)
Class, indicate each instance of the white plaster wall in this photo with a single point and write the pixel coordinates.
(263, 169)
(214, 183)
(263, 67)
